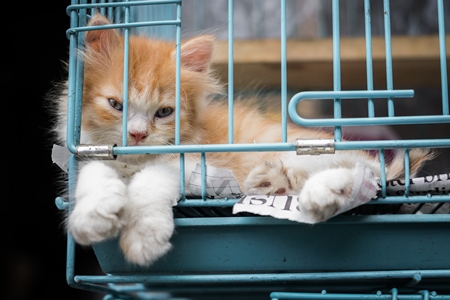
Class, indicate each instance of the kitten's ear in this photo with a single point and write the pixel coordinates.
(100, 40)
(196, 53)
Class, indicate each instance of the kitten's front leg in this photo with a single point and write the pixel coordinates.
(325, 193)
(152, 193)
(99, 200)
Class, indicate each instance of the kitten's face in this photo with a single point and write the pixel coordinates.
(151, 90)
(151, 96)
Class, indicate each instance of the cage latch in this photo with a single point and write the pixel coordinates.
(314, 146)
(101, 152)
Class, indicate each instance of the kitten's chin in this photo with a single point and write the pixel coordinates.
(136, 159)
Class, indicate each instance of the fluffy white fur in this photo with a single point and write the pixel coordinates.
(148, 214)
(101, 197)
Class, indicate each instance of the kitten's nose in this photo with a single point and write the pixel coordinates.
(138, 135)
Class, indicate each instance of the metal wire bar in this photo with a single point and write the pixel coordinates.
(262, 147)
(126, 47)
(443, 55)
(178, 78)
(388, 44)
(407, 171)
(382, 173)
(369, 60)
(389, 120)
(230, 71)
(336, 68)
(182, 176)
(422, 295)
(74, 7)
(178, 98)
(266, 277)
(203, 175)
(123, 25)
(74, 90)
(283, 73)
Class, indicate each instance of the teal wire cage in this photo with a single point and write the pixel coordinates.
(362, 255)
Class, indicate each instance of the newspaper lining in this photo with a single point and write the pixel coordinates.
(220, 183)
(433, 185)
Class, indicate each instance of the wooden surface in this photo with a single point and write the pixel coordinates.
(310, 63)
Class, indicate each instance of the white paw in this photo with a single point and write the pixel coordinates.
(152, 193)
(94, 221)
(100, 199)
(325, 193)
(146, 240)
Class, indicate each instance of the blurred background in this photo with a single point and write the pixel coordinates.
(33, 239)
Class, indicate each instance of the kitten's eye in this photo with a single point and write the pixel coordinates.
(164, 112)
(114, 104)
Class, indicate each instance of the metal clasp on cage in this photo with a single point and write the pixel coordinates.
(102, 152)
(314, 146)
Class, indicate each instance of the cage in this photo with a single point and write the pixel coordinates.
(373, 72)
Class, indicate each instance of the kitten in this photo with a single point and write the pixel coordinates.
(132, 197)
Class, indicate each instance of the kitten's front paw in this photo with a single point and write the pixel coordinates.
(146, 240)
(325, 193)
(100, 199)
(149, 217)
(94, 222)
(269, 178)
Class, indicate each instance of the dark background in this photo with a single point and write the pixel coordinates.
(33, 260)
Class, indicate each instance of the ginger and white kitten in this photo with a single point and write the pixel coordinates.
(132, 197)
